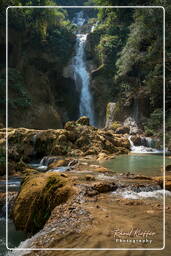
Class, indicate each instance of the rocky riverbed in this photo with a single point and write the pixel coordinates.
(71, 200)
(84, 207)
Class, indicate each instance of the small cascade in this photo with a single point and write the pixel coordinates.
(144, 149)
(43, 164)
(81, 74)
(47, 160)
(141, 192)
(130, 194)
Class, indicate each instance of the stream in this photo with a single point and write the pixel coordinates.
(15, 237)
(137, 164)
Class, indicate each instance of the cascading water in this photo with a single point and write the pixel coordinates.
(81, 74)
(144, 149)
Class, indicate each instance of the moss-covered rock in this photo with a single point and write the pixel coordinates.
(122, 130)
(58, 163)
(160, 181)
(83, 120)
(74, 140)
(38, 196)
(115, 125)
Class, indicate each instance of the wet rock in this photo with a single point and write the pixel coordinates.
(73, 162)
(92, 151)
(136, 139)
(102, 156)
(122, 130)
(101, 169)
(90, 178)
(82, 141)
(83, 120)
(104, 186)
(62, 138)
(138, 177)
(168, 168)
(29, 171)
(159, 180)
(70, 125)
(58, 163)
(72, 135)
(64, 175)
(75, 152)
(92, 193)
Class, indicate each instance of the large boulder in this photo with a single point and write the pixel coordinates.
(38, 196)
(136, 139)
(101, 187)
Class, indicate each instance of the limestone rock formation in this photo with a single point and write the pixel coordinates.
(75, 140)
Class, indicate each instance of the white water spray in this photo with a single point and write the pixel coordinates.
(142, 149)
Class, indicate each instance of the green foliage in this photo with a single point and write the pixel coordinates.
(62, 42)
(144, 43)
(18, 97)
(107, 48)
(154, 123)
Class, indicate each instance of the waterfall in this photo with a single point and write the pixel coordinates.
(81, 74)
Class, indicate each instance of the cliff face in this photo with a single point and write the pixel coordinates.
(101, 80)
(39, 95)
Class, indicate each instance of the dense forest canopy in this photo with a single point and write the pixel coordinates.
(128, 44)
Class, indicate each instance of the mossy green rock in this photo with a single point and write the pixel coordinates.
(38, 196)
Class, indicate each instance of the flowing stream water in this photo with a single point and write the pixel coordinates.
(15, 237)
(81, 74)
